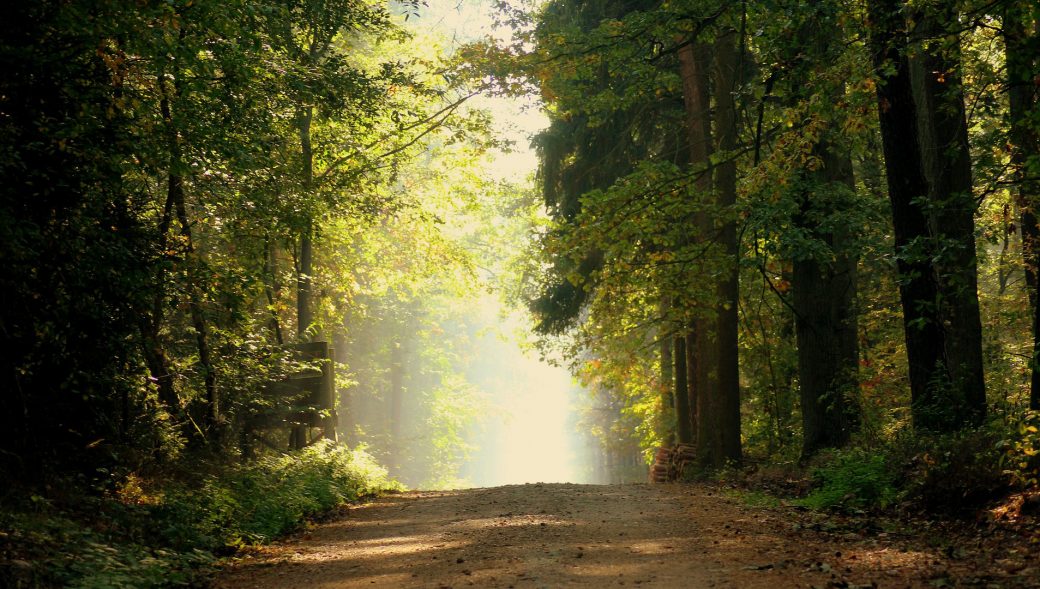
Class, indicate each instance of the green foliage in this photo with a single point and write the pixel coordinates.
(1021, 451)
(950, 473)
(256, 502)
(133, 539)
(853, 478)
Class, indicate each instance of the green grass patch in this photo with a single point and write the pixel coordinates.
(759, 499)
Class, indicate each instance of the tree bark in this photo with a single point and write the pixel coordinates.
(716, 381)
(304, 303)
(946, 160)
(176, 199)
(305, 263)
(198, 321)
(271, 290)
(151, 325)
(823, 279)
(694, 60)
(727, 427)
(395, 399)
(1022, 42)
(683, 421)
(928, 195)
(668, 409)
(691, 380)
(825, 319)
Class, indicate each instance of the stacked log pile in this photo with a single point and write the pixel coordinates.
(662, 463)
(672, 462)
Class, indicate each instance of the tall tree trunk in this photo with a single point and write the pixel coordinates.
(211, 417)
(304, 295)
(175, 197)
(668, 409)
(151, 325)
(727, 424)
(683, 415)
(716, 385)
(691, 383)
(271, 289)
(942, 123)
(825, 319)
(394, 400)
(1022, 42)
(304, 269)
(824, 284)
(945, 375)
(694, 60)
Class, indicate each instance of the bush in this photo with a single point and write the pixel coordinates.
(256, 502)
(854, 478)
(133, 539)
(1020, 448)
(951, 473)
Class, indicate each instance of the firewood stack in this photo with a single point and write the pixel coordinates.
(683, 456)
(671, 462)
(659, 470)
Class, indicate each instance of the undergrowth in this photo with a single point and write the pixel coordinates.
(952, 474)
(137, 537)
(854, 479)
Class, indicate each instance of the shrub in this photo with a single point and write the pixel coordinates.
(1020, 451)
(258, 501)
(951, 473)
(167, 537)
(854, 478)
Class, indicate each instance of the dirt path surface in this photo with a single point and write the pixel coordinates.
(561, 535)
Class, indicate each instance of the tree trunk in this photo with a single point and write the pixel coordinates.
(175, 197)
(211, 417)
(825, 320)
(946, 160)
(1022, 42)
(824, 283)
(668, 409)
(716, 384)
(694, 60)
(683, 421)
(304, 302)
(940, 317)
(727, 427)
(271, 290)
(395, 399)
(691, 383)
(304, 269)
(151, 325)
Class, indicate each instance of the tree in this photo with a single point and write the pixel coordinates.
(1022, 45)
(76, 254)
(823, 276)
(921, 110)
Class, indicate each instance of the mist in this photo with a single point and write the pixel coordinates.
(445, 387)
(530, 431)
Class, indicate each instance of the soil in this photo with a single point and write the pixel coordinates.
(563, 535)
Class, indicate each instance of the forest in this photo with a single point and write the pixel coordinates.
(265, 258)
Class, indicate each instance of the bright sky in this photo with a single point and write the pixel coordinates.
(529, 436)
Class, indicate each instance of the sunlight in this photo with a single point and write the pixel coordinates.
(533, 437)
(528, 435)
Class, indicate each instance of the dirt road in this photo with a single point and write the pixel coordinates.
(553, 535)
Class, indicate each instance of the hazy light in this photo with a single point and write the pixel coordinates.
(534, 436)
(529, 433)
